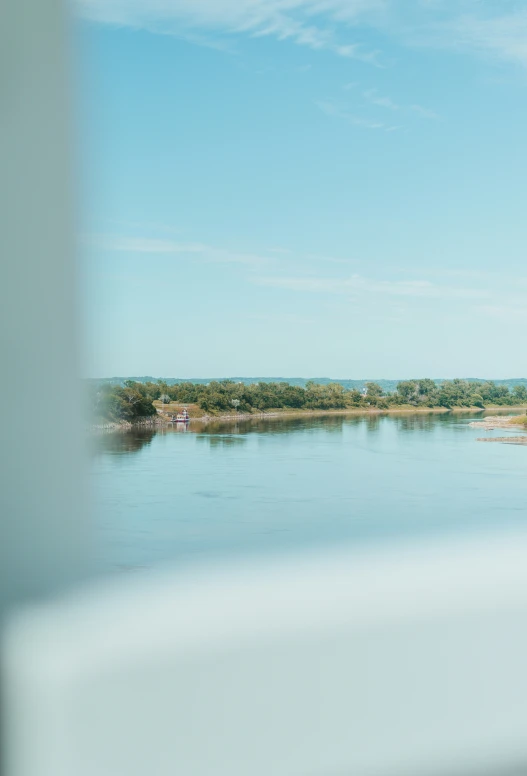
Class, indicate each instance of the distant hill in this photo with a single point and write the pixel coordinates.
(388, 386)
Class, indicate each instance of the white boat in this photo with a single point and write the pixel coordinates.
(181, 417)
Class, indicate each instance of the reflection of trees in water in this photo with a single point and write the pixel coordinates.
(462, 419)
(123, 442)
(429, 421)
(332, 424)
(228, 433)
(328, 423)
(373, 422)
(236, 430)
(222, 434)
(219, 427)
(222, 440)
(417, 422)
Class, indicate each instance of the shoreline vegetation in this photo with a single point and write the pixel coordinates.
(123, 407)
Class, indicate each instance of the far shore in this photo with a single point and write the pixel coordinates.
(350, 411)
(162, 421)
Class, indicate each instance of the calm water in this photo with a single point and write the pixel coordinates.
(292, 483)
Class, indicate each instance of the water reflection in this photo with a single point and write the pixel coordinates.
(228, 433)
(221, 440)
(373, 422)
(123, 442)
(288, 482)
(422, 421)
(275, 425)
(219, 427)
(426, 422)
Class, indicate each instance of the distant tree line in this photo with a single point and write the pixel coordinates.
(134, 399)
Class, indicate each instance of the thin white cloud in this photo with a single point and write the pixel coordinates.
(142, 226)
(425, 113)
(498, 28)
(382, 101)
(502, 35)
(283, 19)
(357, 284)
(154, 246)
(373, 96)
(487, 296)
(332, 109)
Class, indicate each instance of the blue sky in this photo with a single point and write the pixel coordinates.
(303, 187)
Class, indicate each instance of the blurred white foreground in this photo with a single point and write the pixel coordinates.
(410, 661)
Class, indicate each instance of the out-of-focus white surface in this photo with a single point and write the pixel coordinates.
(403, 661)
(44, 538)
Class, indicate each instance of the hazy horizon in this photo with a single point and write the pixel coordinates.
(304, 378)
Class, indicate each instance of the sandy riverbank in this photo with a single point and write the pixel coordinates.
(521, 440)
(163, 419)
(408, 410)
(504, 422)
(496, 421)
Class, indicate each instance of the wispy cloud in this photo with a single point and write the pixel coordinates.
(487, 294)
(502, 35)
(373, 97)
(282, 19)
(333, 109)
(497, 28)
(425, 113)
(357, 284)
(154, 246)
(117, 225)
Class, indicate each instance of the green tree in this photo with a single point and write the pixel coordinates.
(476, 400)
(373, 390)
(519, 394)
(408, 390)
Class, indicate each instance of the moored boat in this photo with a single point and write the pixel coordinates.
(181, 417)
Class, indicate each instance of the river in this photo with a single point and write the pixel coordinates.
(291, 483)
